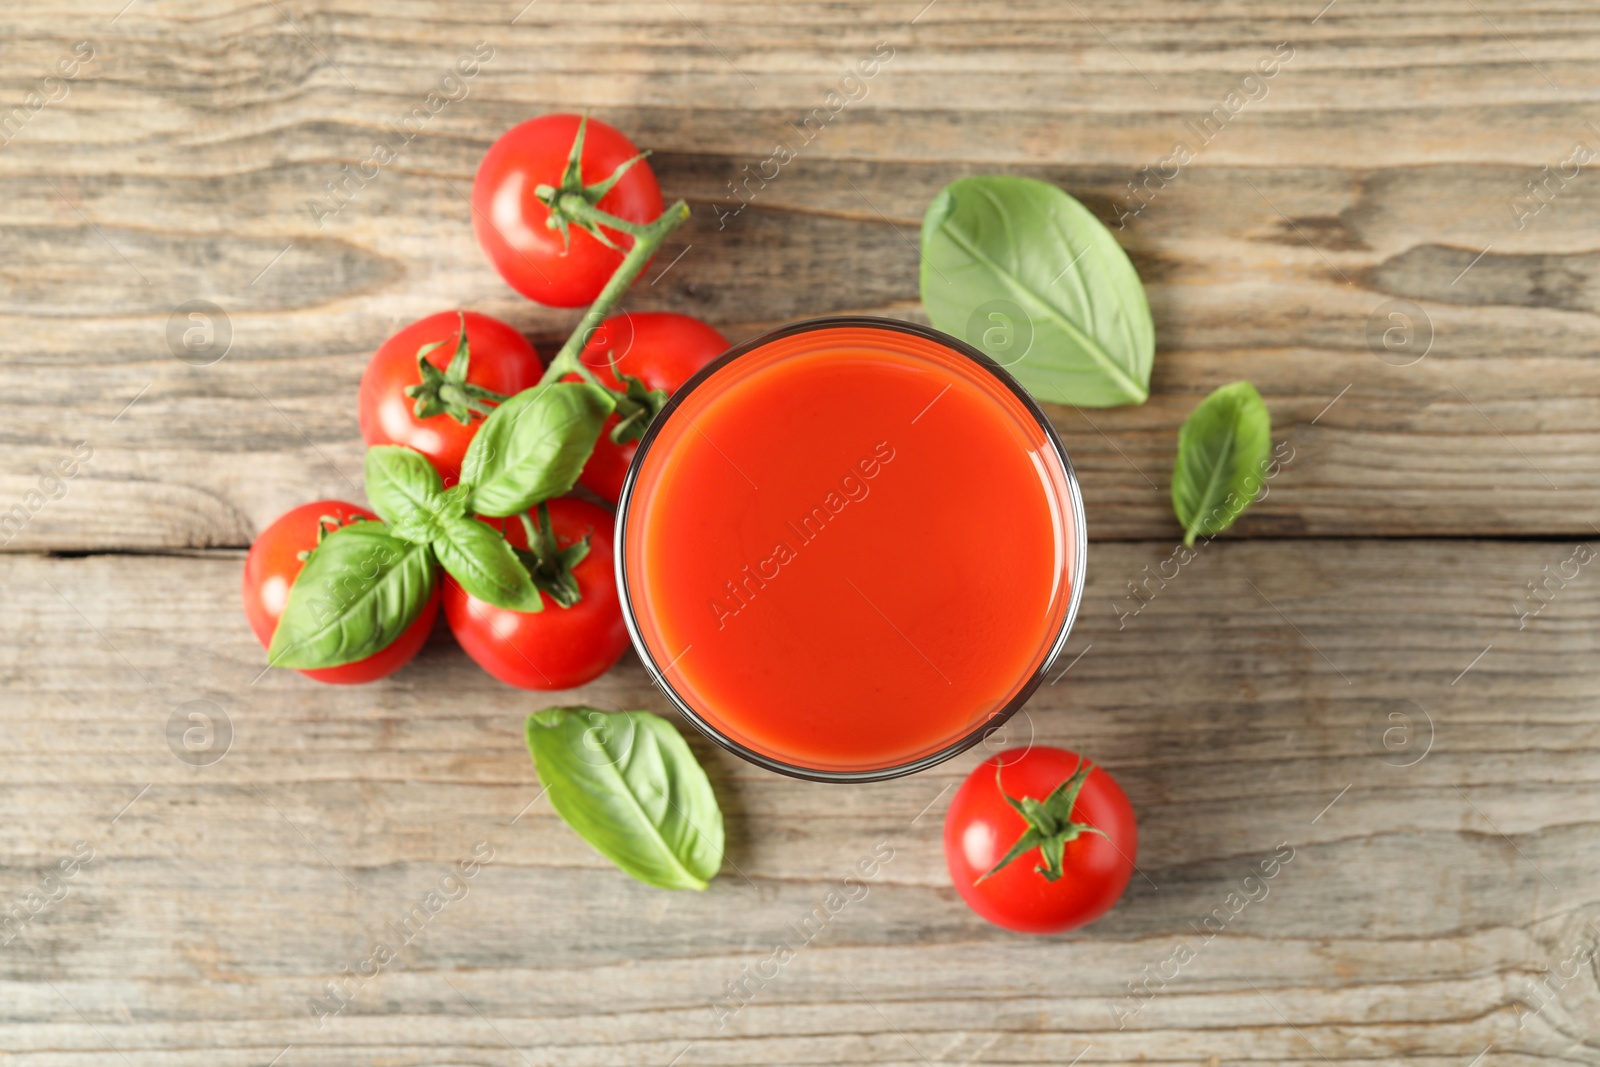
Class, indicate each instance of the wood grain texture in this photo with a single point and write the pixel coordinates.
(1433, 879)
(1382, 163)
(1345, 673)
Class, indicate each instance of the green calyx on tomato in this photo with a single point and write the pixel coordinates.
(550, 565)
(542, 262)
(637, 407)
(574, 202)
(555, 648)
(1050, 824)
(661, 350)
(326, 524)
(448, 392)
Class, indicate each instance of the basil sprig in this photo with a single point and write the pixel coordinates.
(1224, 450)
(533, 446)
(1021, 270)
(629, 785)
(359, 590)
(406, 490)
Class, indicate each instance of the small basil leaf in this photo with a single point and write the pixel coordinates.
(405, 489)
(1021, 270)
(629, 785)
(478, 557)
(1224, 450)
(359, 590)
(533, 446)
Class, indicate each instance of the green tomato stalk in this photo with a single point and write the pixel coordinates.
(447, 392)
(636, 406)
(647, 240)
(1050, 824)
(573, 203)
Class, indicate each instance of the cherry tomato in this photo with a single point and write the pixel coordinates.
(557, 648)
(510, 220)
(274, 563)
(659, 348)
(499, 359)
(1093, 867)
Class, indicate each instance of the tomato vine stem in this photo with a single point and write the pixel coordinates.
(647, 240)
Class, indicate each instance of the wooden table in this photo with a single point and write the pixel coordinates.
(1348, 674)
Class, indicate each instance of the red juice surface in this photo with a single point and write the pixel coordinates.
(849, 547)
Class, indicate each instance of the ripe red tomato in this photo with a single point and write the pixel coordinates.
(274, 563)
(499, 359)
(982, 827)
(510, 220)
(557, 648)
(659, 348)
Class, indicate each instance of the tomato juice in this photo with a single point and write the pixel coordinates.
(848, 547)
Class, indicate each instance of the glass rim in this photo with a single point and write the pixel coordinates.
(1079, 540)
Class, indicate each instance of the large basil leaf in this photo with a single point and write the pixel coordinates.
(628, 784)
(533, 446)
(359, 590)
(1224, 450)
(1019, 269)
(485, 564)
(405, 489)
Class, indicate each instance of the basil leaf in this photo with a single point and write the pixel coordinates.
(483, 561)
(1224, 450)
(533, 446)
(405, 489)
(359, 590)
(1021, 270)
(628, 784)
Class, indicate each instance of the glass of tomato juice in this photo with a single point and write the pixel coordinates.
(850, 548)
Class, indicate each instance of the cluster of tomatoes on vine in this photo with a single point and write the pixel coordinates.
(475, 443)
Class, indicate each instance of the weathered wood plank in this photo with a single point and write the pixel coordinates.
(180, 164)
(1421, 904)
